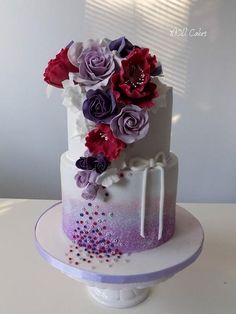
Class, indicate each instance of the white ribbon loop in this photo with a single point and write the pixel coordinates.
(159, 162)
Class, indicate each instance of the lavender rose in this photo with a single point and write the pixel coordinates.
(82, 178)
(131, 124)
(90, 192)
(95, 62)
(86, 163)
(93, 176)
(122, 46)
(99, 106)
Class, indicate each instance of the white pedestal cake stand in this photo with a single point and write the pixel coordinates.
(124, 282)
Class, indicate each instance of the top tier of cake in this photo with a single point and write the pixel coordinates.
(157, 140)
(117, 107)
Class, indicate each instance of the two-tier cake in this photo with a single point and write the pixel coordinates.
(118, 177)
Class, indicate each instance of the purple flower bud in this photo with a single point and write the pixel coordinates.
(86, 163)
(101, 163)
(100, 106)
(122, 45)
(82, 178)
(157, 70)
(98, 163)
(90, 192)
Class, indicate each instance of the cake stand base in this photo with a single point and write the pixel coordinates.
(119, 298)
(122, 282)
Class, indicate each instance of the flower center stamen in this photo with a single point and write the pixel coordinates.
(136, 76)
(103, 136)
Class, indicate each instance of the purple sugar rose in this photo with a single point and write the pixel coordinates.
(101, 163)
(90, 192)
(99, 106)
(82, 178)
(122, 45)
(95, 62)
(86, 163)
(131, 124)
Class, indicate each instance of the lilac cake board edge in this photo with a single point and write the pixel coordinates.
(147, 266)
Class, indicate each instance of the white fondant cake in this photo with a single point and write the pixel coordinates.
(118, 177)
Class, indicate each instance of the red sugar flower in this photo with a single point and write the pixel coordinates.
(58, 69)
(101, 140)
(132, 84)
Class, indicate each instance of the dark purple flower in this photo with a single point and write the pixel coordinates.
(122, 46)
(98, 163)
(101, 163)
(157, 70)
(90, 192)
(99, 106)
(82, 178)
(86, 163)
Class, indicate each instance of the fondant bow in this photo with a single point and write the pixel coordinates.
(141, 163)
(158, 162)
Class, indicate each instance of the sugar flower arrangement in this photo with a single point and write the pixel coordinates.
(109, 84)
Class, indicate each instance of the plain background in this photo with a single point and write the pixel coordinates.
(201, 69)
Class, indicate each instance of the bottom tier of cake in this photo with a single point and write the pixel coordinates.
(124, 217)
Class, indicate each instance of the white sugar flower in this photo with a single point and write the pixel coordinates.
(108, 177)
(72, 94)
(83, 126)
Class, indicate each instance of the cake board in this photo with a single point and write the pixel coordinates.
(126, 281)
